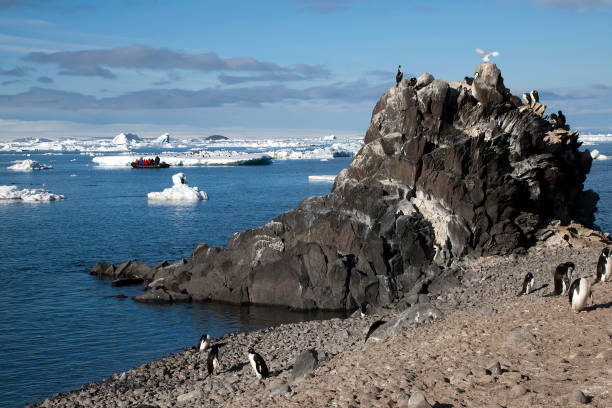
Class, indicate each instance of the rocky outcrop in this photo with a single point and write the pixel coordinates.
(448, 170)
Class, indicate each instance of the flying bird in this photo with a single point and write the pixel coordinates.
(486, 56)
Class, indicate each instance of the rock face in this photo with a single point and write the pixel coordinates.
(448, 170)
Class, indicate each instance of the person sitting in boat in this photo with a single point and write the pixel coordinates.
(157, 160)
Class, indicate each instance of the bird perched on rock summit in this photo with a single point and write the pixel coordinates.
(398, 76)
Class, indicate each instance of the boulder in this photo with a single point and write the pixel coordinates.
(415, 315)
(304, 364)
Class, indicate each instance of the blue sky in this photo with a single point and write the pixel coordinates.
(283, 68)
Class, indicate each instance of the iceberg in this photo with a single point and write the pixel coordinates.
(179, 191)
(28, 165)
(596, 155)
(322, 178)
(163, 139)
(126, 139)
(29, 195)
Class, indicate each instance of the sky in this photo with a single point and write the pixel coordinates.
(290, 68)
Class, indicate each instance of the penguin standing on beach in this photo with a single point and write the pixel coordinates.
(373, 328)
(562, 278)
(363, 309)
(528, 283)
(203, 343)
(212, 361)
(579, 293)
(258, 364)
(604, 266)
(398, 76)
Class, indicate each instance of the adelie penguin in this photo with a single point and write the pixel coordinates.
(258, 364)
(580, 293)
(604, 266)
(203, 343)
(398, 76)
(528, 283)
(562, 276)
(212, 361)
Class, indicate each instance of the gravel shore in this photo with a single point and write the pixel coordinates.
(491, 348)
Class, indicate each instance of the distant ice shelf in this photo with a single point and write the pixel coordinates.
(30, 195)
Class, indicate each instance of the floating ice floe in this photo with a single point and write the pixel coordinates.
(593, 138)
(30, 195)
(322, 178)
(180, 191)
(28, 165)
(190, 159)
(596, 155)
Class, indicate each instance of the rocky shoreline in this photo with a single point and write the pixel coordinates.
(448, 170)
(546, 352)
(458, 192)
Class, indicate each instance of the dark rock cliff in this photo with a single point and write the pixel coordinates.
(447, 170)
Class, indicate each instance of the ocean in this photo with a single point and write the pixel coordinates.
(60, 327)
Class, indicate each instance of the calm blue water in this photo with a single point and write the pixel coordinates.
(60, 328)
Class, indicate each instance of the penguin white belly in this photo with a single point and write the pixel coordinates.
(579, 300)
(529, 287)
(254, 366)
(608, 274)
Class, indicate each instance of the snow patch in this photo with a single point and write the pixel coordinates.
(28, 165)
(29, 195)
(179, 192)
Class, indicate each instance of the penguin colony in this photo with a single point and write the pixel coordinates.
(580, 291)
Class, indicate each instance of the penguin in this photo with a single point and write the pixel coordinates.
(528, 283)
(468, 80)
(204, 342)
(373, 328)
(527, 99)
(259, 365)
(363, 310)
(398, 76)
(554, 120)
(563, 277)
(561, 120)
(579, 293)
(535, 98)
(604, 266)
(212, 361)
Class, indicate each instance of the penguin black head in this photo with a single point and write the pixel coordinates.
(606, 251)
(251, 350)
